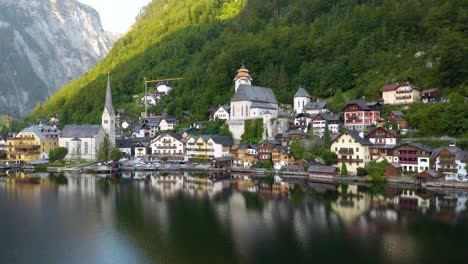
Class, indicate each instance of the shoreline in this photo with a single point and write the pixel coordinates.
(404, 182)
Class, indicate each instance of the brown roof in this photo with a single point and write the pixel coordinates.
(429, 90)
(389, 87)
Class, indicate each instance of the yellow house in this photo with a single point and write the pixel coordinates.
(351, 149)
(32, 143)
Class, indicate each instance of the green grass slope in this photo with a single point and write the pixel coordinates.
(350, 46)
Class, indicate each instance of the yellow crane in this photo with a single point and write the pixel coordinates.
(155, 81)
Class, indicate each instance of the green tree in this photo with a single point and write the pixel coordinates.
(115, 154)
(329, 157)
(103, 153)
(344, 170)
(296, 148)
(376, 170)
(58, 154)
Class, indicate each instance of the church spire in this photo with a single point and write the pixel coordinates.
(108, 104)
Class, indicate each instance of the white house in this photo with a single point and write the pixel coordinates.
(168, 145)
(150, 99)
(320, 121)
(301, 99)
(451, 161)
(2, 144)
(125, 146)
(168, 123)
(163, 87)
(82, 141)
(221, 145)
(222, 112)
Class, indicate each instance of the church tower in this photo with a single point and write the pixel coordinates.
(242, 77)
(108, 115)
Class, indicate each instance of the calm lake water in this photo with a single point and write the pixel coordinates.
(87, 219)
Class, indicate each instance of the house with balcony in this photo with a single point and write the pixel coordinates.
(244, 155)
(450, 161)
(281, 157)
(33, 143)
(431, 95)
(413, 157)
(265, 149)
(207, 146)
(359, 114)
(302, 121)
(400, 93)
(352, 149)
(320, 121)
(383, 141)
(168, 145)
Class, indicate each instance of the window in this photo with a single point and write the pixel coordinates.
(357, 149)
(86, 148)
(106, 121)
(67, 145)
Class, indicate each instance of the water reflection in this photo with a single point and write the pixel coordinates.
(212, 218)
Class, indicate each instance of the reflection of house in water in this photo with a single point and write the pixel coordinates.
(168, 186)
(351, 204)
(409, 200)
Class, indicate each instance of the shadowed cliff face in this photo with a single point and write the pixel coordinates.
(43, 45)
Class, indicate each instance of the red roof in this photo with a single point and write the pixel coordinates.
(390, 87)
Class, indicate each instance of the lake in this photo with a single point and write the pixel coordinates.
(80, 218)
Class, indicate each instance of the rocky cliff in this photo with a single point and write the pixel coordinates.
(43, 45)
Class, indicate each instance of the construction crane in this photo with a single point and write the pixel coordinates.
(155, 81)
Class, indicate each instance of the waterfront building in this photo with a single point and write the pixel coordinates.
(383, 141)
(168, 145)
(244, 155)
(265, 149)
(352, 149)
(413, 157)
(281, 157)
(208, 146)
(82, 141)
(327, 173)
(450, 161)
(32, 143)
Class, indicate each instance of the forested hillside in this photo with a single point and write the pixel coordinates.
(352, 47)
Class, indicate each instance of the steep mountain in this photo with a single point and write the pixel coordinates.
(337, 49)
(43, 45)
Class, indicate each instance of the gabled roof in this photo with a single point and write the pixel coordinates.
(42, 131)
(80, 131)
(416, 145)
(430, 91)
(123, 143)
(301, 92)
(223, 140)
(397, 113)
(393, 87)
(393, 132)
(175, 136)
(323, 169)
(255, 94)
(330, 116)
(315, 106)
(362, 104)
(355, 135)
(437, 151)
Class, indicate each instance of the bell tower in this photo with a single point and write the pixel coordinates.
(242, 77)
(108, 115)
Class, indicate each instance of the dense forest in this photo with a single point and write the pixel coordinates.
(336, 49)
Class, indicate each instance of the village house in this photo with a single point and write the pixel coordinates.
(319, 173)
(150, 100)
(265, 149)
(284, 138)
(168, 123)
(32, 143)
(320, 121)
(398, 118)
(125, 146)
(302, 121)
(315, 108)
(301, 99)
(221, 112)
(2, 144)
(413, 157)
(244, 155)
(359, 114)
(163, 88)
(141, 148)
(383, 141)
(450, 161)
(393, 169)
(222, 162)
(352, 149)
(281, 157)
(427, 176)
(82, 141)
(251, 102)
(400, 93)
(208, 146)
(168, 145)
(431, 95)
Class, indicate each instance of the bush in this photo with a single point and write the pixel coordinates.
(58, 154)
(361, 172)
(344, 170)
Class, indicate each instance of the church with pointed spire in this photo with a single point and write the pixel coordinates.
(108, 115)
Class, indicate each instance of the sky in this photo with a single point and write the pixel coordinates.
(117, 15)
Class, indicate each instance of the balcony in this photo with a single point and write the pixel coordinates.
(406, 90)
(350, 160)
(346, 151)
(408, 162)
(166, 141)
(166, 147)
(445, 170)
(406, 156)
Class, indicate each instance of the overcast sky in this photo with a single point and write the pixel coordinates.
(117, 15)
